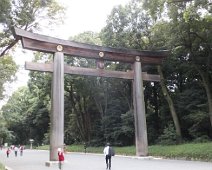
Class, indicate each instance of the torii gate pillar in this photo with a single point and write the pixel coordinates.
(139, 111)
(57, 107)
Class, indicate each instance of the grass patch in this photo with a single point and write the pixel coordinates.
(2, 167)
(190, 151)
(127, 150)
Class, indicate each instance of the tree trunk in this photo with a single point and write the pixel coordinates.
(171, 106)
(207, 85)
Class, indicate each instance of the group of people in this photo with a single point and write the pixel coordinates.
(15, 149)
(108, 152)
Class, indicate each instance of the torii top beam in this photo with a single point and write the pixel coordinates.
(49, 44)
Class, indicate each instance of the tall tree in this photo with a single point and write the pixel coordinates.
(14, 113)
(5, 134)
(27, 111)
(188, 25)
(199, 45)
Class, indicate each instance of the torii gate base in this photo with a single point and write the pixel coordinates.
(59, 48)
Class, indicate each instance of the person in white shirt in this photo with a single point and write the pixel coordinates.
(16, 151)
(108, 152)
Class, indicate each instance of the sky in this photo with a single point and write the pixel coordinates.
(81, 16)
(85, 15)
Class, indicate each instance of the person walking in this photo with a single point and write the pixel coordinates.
(60, 158)
(21, 150)
(16, 151)
(108, 152)
(8, 152)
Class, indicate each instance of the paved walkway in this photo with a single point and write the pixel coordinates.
(35, 160)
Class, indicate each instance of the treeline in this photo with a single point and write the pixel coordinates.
(178, 109)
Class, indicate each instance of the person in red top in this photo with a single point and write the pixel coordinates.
(60, 158)
(8, 152)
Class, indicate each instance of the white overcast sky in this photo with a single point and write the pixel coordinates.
(85, 15)
(81, 16)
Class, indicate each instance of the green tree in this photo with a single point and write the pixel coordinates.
(5, 134)
(199, 46)
(8, 69)
(27, 111)
(14, 113)
(39, 109)
(187, 34)
(25, 14)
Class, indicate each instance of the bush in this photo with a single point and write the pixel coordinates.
(201, 139)
(169, 136)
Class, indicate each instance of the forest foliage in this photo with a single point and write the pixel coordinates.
(98, 110)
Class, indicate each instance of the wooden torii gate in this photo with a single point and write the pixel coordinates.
(60, 47)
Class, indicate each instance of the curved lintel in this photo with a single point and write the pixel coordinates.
(49, 44)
